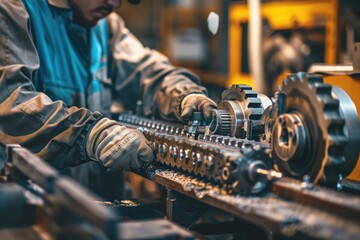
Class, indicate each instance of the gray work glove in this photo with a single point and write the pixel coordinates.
(118, 147)
(197, 102)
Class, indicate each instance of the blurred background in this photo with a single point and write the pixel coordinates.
(288, 36)
(293, 35)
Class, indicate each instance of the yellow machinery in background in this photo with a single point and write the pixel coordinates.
(295, 34)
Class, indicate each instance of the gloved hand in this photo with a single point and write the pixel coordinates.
(196, 102)
(118, 147)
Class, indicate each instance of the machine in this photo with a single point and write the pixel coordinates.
(285, 167)
(310, 128)
(295, 34)
(290, 152)
(275, 167)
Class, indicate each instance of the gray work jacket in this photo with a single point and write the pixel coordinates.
(57, 132)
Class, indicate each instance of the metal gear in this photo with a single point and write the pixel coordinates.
(267, 122)
(221, 123)
(242, 173)
(244, 107)
(308, 134)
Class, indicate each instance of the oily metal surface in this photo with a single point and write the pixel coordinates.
(221, 160)
(329, 200)
(270, 211)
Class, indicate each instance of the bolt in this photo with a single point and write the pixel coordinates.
(187, 157)
(339, 186)
(162, 150)
(194, 158)
(173, 152)
(210, 161)
(182, 154)
(306, 184)
(195, 122)
(198, 159)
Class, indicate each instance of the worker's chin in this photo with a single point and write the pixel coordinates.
(88, 23)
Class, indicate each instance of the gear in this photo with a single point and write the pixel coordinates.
(248, 98)
(308, 136)
(242, 173)
(245, 108)
(222, 124)
(267, 123)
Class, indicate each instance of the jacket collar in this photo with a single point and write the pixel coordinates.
(59, 3)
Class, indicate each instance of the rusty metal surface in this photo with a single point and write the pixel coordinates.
(270, 211)
(320, 197)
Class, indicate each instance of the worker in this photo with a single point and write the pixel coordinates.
(62, 63)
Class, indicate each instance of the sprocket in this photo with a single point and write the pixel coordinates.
(244, 107)
(308, 134)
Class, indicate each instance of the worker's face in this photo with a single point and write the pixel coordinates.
(88, 12)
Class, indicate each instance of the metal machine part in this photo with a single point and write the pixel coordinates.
(308, 136)
(228, 162)
(309, 128)
(239, 113)
(266, 123)
(351, 129)
(196, 124)
(251, 171)
(232, 168)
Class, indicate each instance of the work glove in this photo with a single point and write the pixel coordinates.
(118, 147)
(197, 102)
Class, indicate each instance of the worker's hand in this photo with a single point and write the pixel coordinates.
(197, 102)
(118, 147)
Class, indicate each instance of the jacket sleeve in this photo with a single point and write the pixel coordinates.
(140, 73)
(50, 129)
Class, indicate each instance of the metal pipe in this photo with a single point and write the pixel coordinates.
(255, 46)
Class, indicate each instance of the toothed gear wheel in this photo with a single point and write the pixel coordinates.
(241, 173)
(222, 122)
(244, 107)
(308, 137)
(249, 99)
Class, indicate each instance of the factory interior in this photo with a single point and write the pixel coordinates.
(185, 119)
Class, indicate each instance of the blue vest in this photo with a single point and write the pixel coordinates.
(73, 60)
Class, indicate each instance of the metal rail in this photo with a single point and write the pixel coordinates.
(289, 210)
